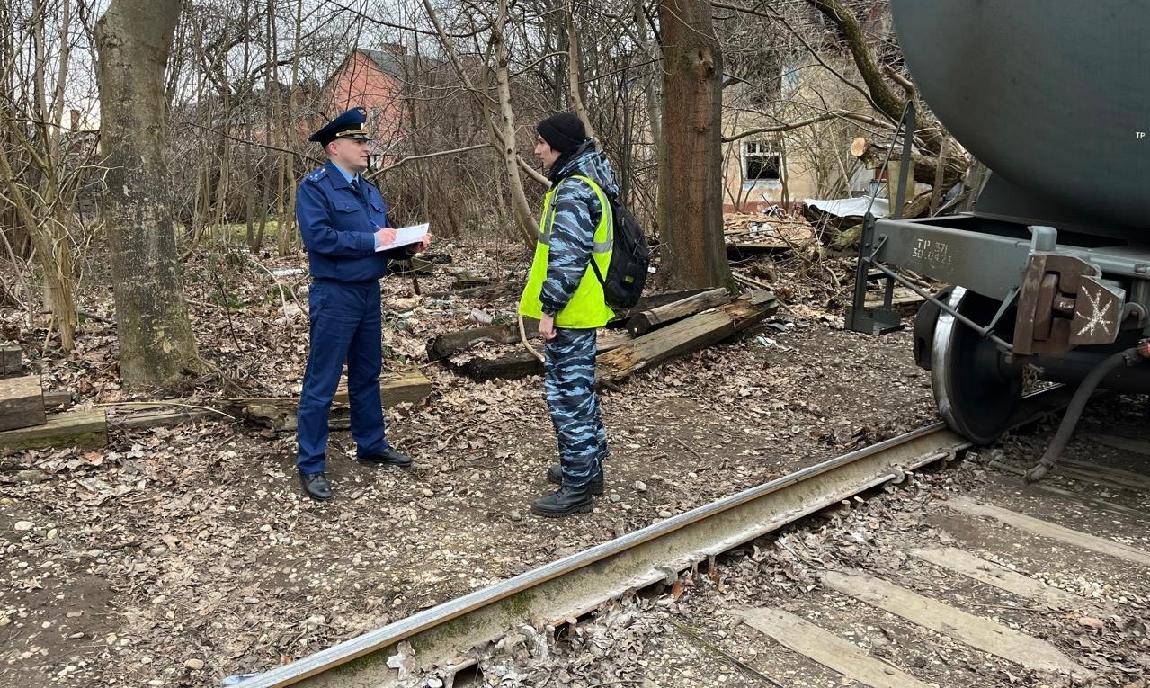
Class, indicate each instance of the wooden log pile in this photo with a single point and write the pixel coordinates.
(31, 418)
(25, 421)
(660, 328)
(685, 336)
(276, 413)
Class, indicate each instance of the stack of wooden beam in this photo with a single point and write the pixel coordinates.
(25, 421)
(661, 327)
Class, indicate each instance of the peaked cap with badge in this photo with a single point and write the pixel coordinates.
(349, 125)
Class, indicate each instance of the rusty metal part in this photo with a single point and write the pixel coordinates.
(551, 594)
(1063, 304)
(1044, 315)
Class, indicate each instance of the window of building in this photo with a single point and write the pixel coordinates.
(762, 161)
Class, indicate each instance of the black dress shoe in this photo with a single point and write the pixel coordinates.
(316, 486)
(565, 501)
(389, 457)
(555, 477)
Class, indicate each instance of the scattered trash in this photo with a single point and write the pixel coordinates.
(768, 343)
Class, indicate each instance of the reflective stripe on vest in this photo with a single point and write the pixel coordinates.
(586, 308)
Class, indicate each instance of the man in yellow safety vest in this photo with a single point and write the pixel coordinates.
(565, 294)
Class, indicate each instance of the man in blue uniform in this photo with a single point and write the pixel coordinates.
(343, 220)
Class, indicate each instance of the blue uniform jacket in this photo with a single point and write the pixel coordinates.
(338, 227)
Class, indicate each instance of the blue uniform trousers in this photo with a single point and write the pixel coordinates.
(569, 379)
(345, 326)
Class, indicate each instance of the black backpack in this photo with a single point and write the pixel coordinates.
(627, 271)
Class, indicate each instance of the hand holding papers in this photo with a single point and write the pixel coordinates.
(405, 236)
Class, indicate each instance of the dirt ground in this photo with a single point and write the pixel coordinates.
(700, 638)
(178, 556)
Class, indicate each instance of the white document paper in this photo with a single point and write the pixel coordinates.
(405, 236)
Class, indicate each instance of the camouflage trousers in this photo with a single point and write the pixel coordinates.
(569, 379)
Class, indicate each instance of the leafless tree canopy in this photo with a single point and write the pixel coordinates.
(247, 80)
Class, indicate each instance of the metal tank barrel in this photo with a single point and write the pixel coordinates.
(1053, 95)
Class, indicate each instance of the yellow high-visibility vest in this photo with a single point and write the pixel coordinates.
(587, 307)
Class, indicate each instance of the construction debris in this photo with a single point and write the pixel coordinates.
(752, 235)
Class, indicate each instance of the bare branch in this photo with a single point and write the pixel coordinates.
(438, 154)
(837, 114)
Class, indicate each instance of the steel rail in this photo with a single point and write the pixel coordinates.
(564, 589)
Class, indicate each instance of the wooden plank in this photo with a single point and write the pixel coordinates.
(515, 366)
(1123, 443)
(10, 359)
(663, 298)
(900, 298)
(644, 321)
(694, 333)
(87, 429)
(57, 401)
(21, 402)
(408, 387)
(523, 363)
(447, 345)
(1112, 476)
(964, 563)
(980, 633)
(280, 412)
(801, 636)
(276, 412)
(469, 282)
(166, 418)
(1067, 494)
(1051, 530)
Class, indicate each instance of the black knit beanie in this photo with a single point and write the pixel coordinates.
(563, 131)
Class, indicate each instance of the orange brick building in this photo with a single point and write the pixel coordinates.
(375, 80)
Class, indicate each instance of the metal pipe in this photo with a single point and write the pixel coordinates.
(983, 331)
(1072, 368)
(1128, 357)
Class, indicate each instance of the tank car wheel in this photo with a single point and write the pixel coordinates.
(975, 395)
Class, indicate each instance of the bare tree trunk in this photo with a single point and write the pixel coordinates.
(54, 251)
(133, 40)
(575, 71)
(503, 135)
(654, 112)
(524, 219)
(38, 201)
(690, 170)
(288, 237)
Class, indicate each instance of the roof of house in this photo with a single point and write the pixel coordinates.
(390, 63)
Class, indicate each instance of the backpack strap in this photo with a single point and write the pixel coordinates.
(604, 207)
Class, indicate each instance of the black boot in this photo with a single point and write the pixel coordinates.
(565, 501)
(389, 457)
(555, 477)
(316, 486)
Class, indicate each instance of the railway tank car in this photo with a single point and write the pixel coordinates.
(1051, 271)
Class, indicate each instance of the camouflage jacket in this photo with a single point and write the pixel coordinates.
(577, 214)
